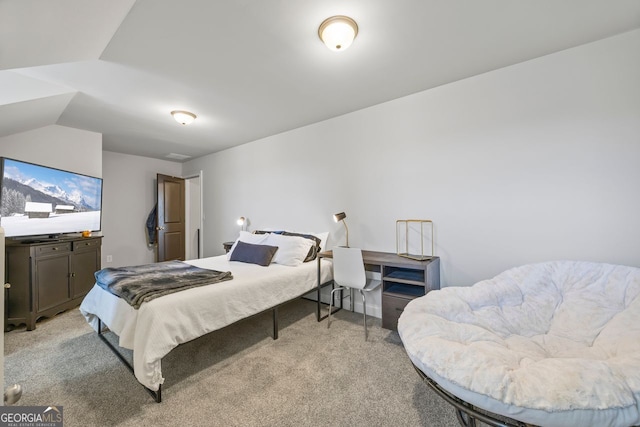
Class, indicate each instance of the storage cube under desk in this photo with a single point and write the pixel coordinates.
(404, 281)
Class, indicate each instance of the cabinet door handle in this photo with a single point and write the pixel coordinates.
(55, 248)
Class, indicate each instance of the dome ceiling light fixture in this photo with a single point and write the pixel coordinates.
(338, 32)
(183, 117)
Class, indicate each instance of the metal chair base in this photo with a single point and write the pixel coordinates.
(364, 306)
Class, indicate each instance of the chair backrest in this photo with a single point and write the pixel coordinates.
(348, 268)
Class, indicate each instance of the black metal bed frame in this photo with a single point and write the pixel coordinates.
(466, 413)
(157, 395)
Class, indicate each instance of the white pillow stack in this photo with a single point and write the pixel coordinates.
(322, 236)
(292, 250)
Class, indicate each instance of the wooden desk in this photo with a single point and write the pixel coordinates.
(403, 279)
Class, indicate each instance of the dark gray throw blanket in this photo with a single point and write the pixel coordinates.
(141, 283)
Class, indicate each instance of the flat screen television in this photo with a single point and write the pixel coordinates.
(41, 202)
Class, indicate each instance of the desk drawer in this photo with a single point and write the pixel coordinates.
(392, 308)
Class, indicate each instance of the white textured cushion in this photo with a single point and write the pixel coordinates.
(553, 344)
(292, 250)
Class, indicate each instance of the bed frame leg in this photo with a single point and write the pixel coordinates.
(275, 323)
(157, 395)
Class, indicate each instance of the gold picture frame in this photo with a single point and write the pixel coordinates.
(408, 227)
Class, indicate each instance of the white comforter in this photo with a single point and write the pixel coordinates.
(160, 325)
(552, 344)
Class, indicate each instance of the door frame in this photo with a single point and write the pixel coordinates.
(2, 243)
(188, 209)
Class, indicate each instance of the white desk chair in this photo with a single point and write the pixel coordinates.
(349, 272)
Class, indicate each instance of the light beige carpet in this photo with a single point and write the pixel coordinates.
(238, 376)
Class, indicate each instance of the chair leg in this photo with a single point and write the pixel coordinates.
(364, 311)
(331, 305)
(330, 309)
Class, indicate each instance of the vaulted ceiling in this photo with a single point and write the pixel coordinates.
(254, 68)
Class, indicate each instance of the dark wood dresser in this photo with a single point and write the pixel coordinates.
(49, 277)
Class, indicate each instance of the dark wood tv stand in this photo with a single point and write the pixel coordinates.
(48, 277)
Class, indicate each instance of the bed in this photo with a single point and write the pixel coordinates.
(551, 344)
(161, 324)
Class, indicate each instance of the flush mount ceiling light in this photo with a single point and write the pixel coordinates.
(183, 117)
(338, 32)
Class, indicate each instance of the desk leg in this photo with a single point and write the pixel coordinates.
(318, 304)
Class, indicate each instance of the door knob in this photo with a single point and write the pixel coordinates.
(7, 285)
(12, 394)
(159, 228)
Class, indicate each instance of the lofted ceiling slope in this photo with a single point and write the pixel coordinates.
(254, 68)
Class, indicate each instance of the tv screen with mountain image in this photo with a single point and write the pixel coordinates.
(43, 201)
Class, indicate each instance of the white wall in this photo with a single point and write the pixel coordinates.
(57, 146)
(537, 161)
(129, 194)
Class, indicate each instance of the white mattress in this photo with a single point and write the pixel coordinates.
(161, 324)
(551, 344)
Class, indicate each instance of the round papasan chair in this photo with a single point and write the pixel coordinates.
(548, 344)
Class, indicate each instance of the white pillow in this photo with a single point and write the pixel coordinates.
(323, 239)
(245, 236)
(292, 250)
(322, 236)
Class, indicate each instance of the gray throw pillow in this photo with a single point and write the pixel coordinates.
(253, 254)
